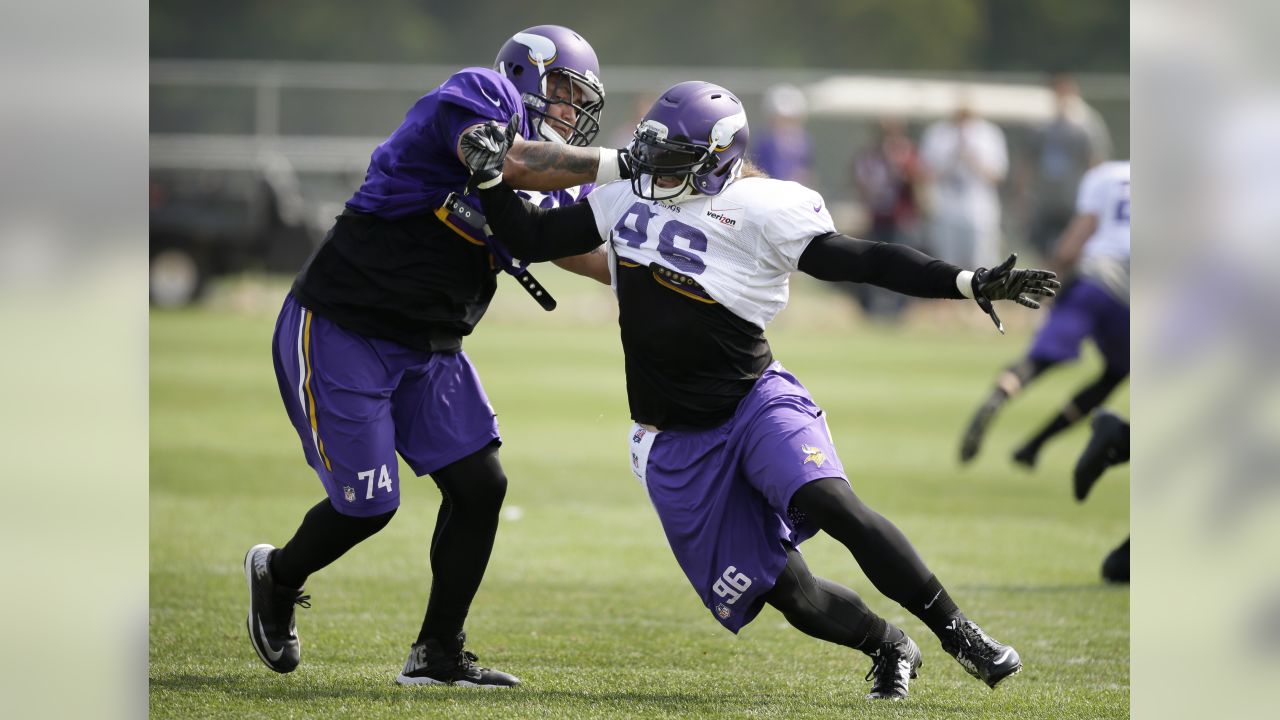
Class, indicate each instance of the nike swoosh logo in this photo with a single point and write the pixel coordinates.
(266, 644)
(486, 96)
(935, 597)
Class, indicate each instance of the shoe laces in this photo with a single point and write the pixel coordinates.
(467, 660)
(888, 670)
(975, 642)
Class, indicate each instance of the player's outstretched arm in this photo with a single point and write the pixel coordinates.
(529, 232)
(837, 257)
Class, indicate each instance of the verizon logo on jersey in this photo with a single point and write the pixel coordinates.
(723, 219)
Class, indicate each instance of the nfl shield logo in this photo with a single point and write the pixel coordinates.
(723, 611)
(349, 493)
(638, 436)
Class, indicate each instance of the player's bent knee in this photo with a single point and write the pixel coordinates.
(476, 481)
(376, 522)
(822, 498)
(793, 587)
(360, 527)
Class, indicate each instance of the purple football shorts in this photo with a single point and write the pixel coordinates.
(356, 401)
(1085, 310)
(723, 494)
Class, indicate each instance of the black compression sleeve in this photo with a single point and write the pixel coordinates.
(534, 234)
(903, 269)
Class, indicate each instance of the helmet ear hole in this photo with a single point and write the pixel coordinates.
(517, 70)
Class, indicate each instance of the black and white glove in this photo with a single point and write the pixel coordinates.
(1021, 285)
(484, 150)
(625, 163)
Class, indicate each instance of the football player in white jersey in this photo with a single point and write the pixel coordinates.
(1095, 249)
(733, 452)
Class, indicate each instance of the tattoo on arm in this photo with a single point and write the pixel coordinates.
(541, 157)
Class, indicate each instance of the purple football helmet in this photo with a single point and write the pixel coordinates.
(695, 132)
(558, 76)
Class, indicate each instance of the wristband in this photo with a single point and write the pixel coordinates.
(964, 283)
(607, 171)
(485, 185)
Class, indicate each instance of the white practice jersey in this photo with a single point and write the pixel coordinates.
(740, 246)
(1104, 192)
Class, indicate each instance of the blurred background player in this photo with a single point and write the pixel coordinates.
(886, 175)
(368, 345)
(1108, 446)
(734, 453)
(1095, 248)
(1062, 151)
(785, 151)
(965, 159)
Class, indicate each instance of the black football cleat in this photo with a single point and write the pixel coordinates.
(438, 663)
(980, 655)
(972, 440)
(1115, 568)
(1105, 448)
(1026, 456)
(271, 614)
(893, 666)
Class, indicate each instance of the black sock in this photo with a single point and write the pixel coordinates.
(934, 606)
(471, 492)
(325, 534)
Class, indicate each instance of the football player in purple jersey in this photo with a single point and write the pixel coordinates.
(733, 452)
(368, 345)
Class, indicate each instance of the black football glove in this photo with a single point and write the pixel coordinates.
(1003, 282)
(625, 162)
(485, 149)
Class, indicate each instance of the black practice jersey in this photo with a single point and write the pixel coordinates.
(689, 360)
(411, 280)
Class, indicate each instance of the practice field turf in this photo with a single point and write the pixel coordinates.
(583, 599)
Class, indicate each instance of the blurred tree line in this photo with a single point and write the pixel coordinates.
(923, 35)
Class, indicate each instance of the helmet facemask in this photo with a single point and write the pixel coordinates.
(566, 87)
(658, 160)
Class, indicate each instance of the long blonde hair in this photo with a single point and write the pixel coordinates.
(750, 169)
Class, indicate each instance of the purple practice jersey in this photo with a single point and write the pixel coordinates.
(413, 171)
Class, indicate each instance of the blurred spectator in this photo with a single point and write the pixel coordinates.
(785, 151)
(1075, 140)
(964, 158)
(885, 174)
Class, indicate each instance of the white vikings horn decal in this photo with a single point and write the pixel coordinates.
(541, 48)
(725, 128)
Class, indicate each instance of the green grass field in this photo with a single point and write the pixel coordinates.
(583, 599)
